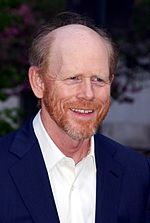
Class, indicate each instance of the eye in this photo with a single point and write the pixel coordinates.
(98, 80)
(73, 79)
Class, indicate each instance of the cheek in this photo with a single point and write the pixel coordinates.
(57, 101)
(103, 94)
(63, 95)
(66, 91)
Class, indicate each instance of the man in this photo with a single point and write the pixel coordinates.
(56, 168)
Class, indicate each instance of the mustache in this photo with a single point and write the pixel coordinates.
(82, 104)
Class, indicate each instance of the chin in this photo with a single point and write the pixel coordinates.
(80, 132)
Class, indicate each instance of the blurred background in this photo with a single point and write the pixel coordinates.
(127, 21)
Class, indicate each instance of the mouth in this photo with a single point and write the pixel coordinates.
(82, 111)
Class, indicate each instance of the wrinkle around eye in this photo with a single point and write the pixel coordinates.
(98, 80)
(73, 79)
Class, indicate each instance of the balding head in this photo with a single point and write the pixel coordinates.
(79, 46)
(52, 39)
(74, 34)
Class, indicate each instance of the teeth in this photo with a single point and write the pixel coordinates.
(83, 111)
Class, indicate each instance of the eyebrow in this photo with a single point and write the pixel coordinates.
(62, 76)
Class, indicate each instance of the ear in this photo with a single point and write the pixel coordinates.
(111, 78)
(36, 81)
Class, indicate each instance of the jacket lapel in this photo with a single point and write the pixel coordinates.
(109, 175)
(31, 179)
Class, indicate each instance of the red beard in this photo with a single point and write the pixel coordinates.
(76, 127)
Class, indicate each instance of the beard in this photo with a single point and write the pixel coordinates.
(76, 127)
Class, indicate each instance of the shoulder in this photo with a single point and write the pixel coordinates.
(6, 159)
(126, 156)
(16, 141)
(7, 140)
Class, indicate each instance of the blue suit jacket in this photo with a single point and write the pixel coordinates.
(123, 182)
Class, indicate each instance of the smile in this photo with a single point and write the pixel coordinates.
(82, 111)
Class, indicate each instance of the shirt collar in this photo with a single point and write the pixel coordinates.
(51, 153)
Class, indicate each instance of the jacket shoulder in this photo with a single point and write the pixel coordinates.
(127, 156)
(7, 140)
(17, 140)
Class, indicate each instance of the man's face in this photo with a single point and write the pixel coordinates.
(77, 95)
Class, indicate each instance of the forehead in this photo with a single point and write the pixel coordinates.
(77, 36)
(74, 46)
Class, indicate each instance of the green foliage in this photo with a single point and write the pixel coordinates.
(18, 20)
(9, 3)
(9, 77)
(9, 120)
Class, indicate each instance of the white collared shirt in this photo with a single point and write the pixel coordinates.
(73, 186)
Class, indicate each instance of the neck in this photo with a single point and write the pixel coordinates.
(75, 149)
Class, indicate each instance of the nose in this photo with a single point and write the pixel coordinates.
(86, 90)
